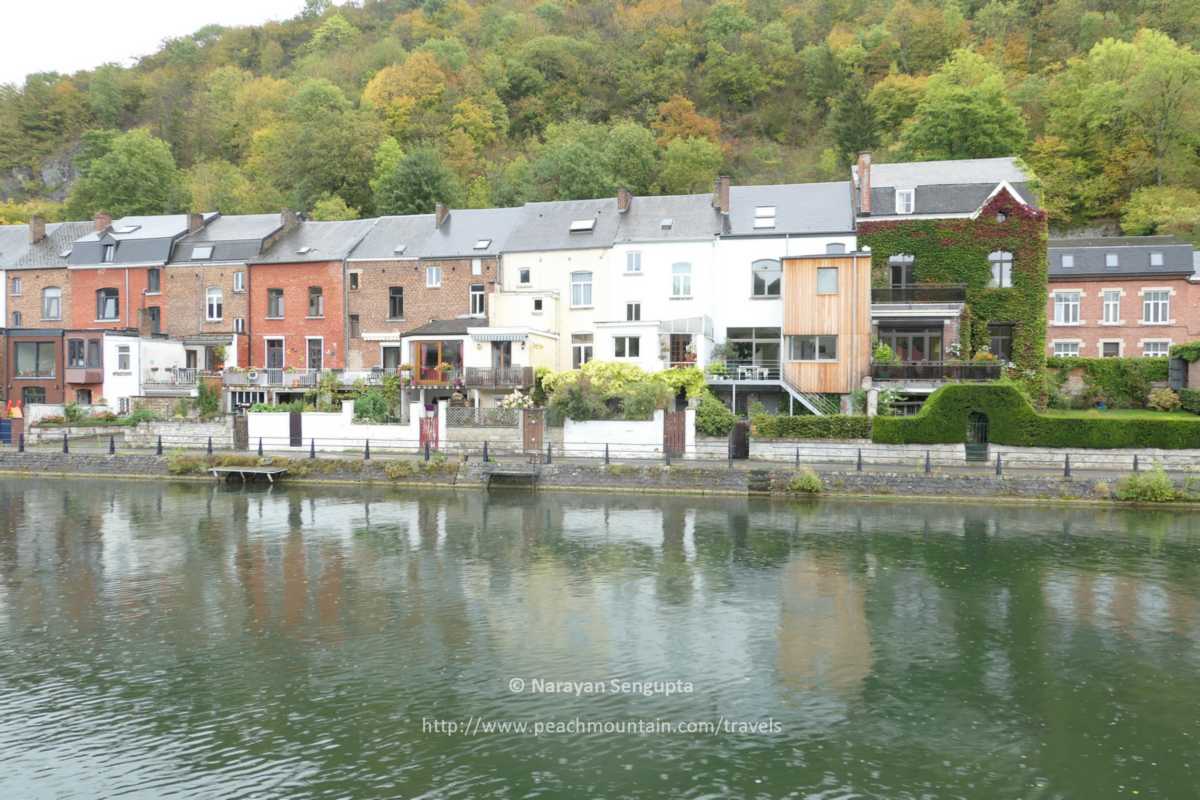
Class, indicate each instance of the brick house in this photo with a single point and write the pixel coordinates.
(1121, 296)
(33, 365)
(207, 286)
(411, 270)
(38, 287)
(297, 316)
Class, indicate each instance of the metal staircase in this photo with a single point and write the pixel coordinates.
(819, 404)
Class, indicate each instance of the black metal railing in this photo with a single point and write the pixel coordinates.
(748, 370)
(937, 371)
(499, 377)
(921, 293)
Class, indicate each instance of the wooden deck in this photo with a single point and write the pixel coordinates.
(270, 473)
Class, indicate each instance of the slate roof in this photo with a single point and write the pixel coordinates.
(958, 186)
(447, 327)
(800, 208)
(13, 240)
(392, 233)
(238, 237)
(321, 241)
(1133, 256)
(547, 226)
(60, 238)
(692, 217)
(465, 228)
(138, 240)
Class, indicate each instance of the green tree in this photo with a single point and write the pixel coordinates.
(332, 208)
(136, 176)
(571, 165)
(853, 121)
(631, 156)
(690, 165)
(1163, 209)
(417, 182)
(220, 186)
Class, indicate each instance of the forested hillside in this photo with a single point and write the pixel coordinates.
(384, 106)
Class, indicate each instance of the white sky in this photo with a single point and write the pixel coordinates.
(69, 35)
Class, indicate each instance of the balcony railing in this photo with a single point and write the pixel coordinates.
(936, 371)
(499, 377)
(178, 376)
(85, 375)
(750, 371)
(432, 376)
(300, 378)
(920, 293)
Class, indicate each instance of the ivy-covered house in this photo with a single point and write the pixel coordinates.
(958, 268)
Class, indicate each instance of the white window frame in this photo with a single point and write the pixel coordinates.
(836, 280)
(633, 311)
(1107, 304)
(1067, 260)
(681, 280)
(1158, 310)
(308, 309)
(433, 277)
(16, 286)
(625, 342)
(1166, 343)
(239, 281)
(477, 266)
(477, 293)
(583, 352)
(1120, 343)
(1066, 295)
(58, 301)
(757, 268)
(906, 201)
(584, 285)
(1157, 259)
(209, 293)
(108, 253)
(1112, 260)
(1001, 263)
(282, 297)
(123, 358)
(633, 262)
(1074, 343)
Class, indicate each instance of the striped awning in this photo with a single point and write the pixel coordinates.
(500, 337)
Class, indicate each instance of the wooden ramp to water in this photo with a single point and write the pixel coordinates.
(248, 473)
(512, 476)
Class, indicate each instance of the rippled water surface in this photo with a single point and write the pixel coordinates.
(161, 640)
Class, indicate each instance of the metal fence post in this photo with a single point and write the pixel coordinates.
(66, 447)
(366, 449)
(485, 451)
(260, 447)
(20, 442)
(606, 453)
(158, 447)
(112, 444)
(999, 468)
(1135, 462)
(858, 465)
(549, 456)
(426, 451)
(1067, 466)
(667, 455)
(797, 456)
(210, 445)
(312, 447)
(928, 463)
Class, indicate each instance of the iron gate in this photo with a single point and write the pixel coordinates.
(429, 432)
(977, 437)
(533, 425)
(739, 440)
(5, 431)
(295, 429)
(674, 437)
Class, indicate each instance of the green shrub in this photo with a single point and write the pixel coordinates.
(372, 405)
(1188, 351)
(1116, 382)
(72, 413)
(642, 399)
(713, 418)
(208, 400)
(807, 482)
(295, 405)
(1189, 400)
(1163, 400)
(834, 426)
(182, 464)
(1013, 421)
(141, 415)
(1153, 486)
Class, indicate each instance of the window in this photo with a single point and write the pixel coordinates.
(123, 406)
(214, 306)
(1066, 349)
(275, 303)
(316, 301)
(681, 280)
(476, 266)
(901, 266)
(523, 277)
(1110, 349)
(537, 305)
(153, 280)
(582, 225)
(1111, 261)
(108, 253)
(1156, 306)
(239, 325)
(633, 312)
(1066, 308)
(483, 244)
(764, 217)
(1000, 339)
(766, 276)
(1068, 261)
(581, 289)
(581, 349)
(274, 354)
(75, 353)
(154, 315)
(107, 302)
(33, 394)
(202, 253)
(812, 348)
(1112, 306)
(477, 300)
(1001, 262)
(1156, 259)
(16, 319)
(239, 281)
(34, 360)
(355, 327)
(395, 302)
(1156, 348)
(906, 200)
(354, 281)
(51, 303)
(123, 358)
(633, 262)
(83, 397)
(626, 346)
(827, 280)
(835, 249)
(391, 357)
(16, 285)
(93, 354)
(433, 277)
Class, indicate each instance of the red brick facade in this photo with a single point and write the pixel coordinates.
(1128, 334)
(52, 386)
(371, 300)
(297, 326)
(132, 285)
(186, 289)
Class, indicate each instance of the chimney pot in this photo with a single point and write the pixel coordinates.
(103, 221)
(624, 199)
(195, 222)
(441, 214)
(289, 219)
(721, 194)
(864, 184)
(37, 228)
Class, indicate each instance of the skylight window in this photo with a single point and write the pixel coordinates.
(399, 249)
(483, 244)
(582, 225)
(305, 250)
(66, 253)
(666, 223)
(202, 253)
(126, 229)
(764, 217)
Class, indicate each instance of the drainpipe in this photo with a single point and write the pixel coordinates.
(128, 299)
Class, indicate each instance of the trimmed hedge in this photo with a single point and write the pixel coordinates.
(1189, 400)
(835, 426)
(1013, 421)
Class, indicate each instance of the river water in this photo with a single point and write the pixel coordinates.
(180, 640)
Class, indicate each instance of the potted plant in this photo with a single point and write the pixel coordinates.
(219, 357)
(443, 368)
(406, 372)
(717, 369)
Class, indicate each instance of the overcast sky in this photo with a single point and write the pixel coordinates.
(69, 35)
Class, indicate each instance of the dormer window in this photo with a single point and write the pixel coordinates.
(483, 244)
(1068, 261)
(1156, 259)
(109, 253)
(667, 223)
(202, 253)
(906, 201)
(764, 217)
(1112, 261)
(582, 225)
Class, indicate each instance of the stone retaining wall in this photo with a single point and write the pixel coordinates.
(54, 433)
(183, 434)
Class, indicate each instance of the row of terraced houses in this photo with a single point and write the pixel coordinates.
(779, 292)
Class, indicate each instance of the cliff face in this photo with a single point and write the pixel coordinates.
(51, 180)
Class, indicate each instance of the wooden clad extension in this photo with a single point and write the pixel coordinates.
(846, 314)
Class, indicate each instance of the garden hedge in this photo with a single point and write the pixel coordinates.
(1189, 400)
(835, 426)
(1013, 421)
(1119, 382)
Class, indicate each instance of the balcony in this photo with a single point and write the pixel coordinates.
(172, 381)
(754, 371)
(937, 371)
(498, 377)
(920, 293)
(274, 378)
(85, 375)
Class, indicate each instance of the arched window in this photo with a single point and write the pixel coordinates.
(901, 266)
(767, 275)
(52, 303)
(1001, 262)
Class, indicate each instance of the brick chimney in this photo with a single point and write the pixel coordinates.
(195, 222)
(288, 219)
(441, 214)
(37, 228)
(864, 184)
(624, 199)
(103, 221)
(720, 199)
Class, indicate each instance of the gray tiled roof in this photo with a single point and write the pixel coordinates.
(60, 238)
(958, 186)
(13, 240)
(1133, 256)
(447, 327)
(392, 233)
(238, 237)
(800, 208)
(322, 241)
(465, 228)
(692, 217)
(138, 240)
(547, 226)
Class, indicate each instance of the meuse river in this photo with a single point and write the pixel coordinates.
(180, 640)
